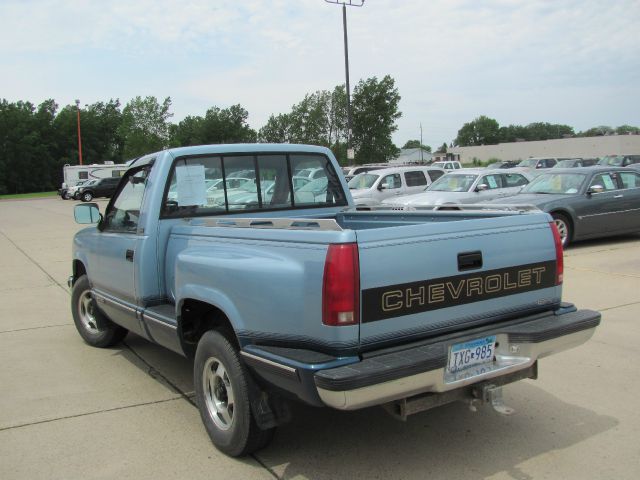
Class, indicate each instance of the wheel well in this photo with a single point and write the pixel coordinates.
(78, 270)
(196, 318)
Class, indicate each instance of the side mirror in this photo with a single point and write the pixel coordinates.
(482, 187)
(382, 186)
(87, 213)
(595, 189)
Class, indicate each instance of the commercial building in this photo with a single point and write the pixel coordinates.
(585, 147)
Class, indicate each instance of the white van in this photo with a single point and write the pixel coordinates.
(370, 188)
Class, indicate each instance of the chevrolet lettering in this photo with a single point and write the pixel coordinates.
(279, 289)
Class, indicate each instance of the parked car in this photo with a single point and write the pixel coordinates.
(370, 188)
(619, 160)
(464, 187)
(586, 202)
(576, 162)
(310, 173)
(505, 164)
(534, 163)
(448, 165)
(353, 171)
(105, 187)
(69, 192)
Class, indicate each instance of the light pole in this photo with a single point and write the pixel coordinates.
(79, 135)
(421, 154)
(344, 3)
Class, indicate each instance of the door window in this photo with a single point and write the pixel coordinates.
(513, 180)
(392, 181)
(629, 179)
(491, 181)
(605, 180)
(124, 212)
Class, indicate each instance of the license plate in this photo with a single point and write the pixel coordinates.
(474, 352)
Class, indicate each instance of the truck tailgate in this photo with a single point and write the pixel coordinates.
(427, 279)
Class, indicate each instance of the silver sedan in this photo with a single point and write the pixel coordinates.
(464, 187)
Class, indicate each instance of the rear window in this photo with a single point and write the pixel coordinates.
(220, 184)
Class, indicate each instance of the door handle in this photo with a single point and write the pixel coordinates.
(129, 255)
(617, 196)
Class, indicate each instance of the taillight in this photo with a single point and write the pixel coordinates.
(559, 253)
(341, 285)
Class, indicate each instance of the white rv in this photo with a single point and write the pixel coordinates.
(73, 174)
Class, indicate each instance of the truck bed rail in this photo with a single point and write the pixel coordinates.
(279, 223)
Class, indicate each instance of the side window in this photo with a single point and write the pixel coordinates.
(605, 180)
(415, 179)
(491, 181)
(513, 180)
(124, 212)
(392, 181)
(629, 179)
(83, 175)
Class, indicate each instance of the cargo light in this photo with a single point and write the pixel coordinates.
(341, 286)
(559, 253)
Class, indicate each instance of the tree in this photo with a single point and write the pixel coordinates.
(144, 126)
(481, 131)
(375, 111)
(276, 130)
(416, 144)
(627, 129)
(443, 148)
(597, 131)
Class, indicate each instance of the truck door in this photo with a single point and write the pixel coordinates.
(114, 281)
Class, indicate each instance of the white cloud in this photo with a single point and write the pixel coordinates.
(572, 61)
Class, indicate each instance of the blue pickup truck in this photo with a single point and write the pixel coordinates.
(280, 290)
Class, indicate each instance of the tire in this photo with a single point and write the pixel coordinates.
(564, 228)
(222, 386)
(93, 326)
(87, 196)
(66, 195)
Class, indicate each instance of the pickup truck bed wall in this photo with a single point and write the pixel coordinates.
(246, 268)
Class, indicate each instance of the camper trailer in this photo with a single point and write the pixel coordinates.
(73, 174)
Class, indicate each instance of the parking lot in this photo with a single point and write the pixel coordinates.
(71, 411)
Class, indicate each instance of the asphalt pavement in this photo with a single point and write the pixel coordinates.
(70, 411)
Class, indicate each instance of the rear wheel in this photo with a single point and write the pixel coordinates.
(66, 195)
(93, 326)
(564, 227)
(87, 196)
(222, 385)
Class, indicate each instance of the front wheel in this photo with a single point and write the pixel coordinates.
(93, 326)
(87, 196)
(66, 195)
(564, 227)
(222, 385)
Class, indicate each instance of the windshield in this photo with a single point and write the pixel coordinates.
(611, 160)
(528, 163)
(558, 183)
(362, 181)
(452, 183)
(565, 163)
(318, 185)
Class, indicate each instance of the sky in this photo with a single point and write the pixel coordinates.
(565, 61)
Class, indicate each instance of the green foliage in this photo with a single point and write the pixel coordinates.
(375, 111)
(227, 125)
(416, 144)
(627, 129)
(145, 126)
(443, 148)
(481, 131)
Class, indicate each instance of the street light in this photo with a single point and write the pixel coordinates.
(344, 3)
(79, 135)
